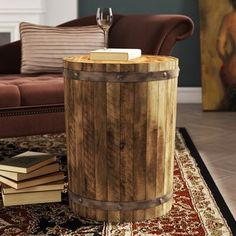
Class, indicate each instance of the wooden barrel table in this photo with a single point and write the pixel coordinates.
(120, 127)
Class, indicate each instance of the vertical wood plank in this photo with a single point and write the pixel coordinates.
(172, 97)
(113, 147)
(88, 144)
(161, 143)
(70, 132)
(174, 85)
(66, 101)
(100, 113)
(140, 136)
(126, 146)
(78, 142)
(170, 137)
(151, 151)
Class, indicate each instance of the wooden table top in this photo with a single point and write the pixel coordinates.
(145, 63)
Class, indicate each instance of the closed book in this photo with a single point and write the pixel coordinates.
(31, 198)
(51, 168)
(58, 185)
(26, 162)
(33, 182)
(115, 54)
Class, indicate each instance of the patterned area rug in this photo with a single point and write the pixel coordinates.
(198, 207)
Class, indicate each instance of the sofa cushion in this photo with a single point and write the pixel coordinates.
(37, 90)
(43, 47)
(9, 95)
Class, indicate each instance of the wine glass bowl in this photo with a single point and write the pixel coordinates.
(104, 19)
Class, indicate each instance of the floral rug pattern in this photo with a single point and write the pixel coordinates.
(194, 210)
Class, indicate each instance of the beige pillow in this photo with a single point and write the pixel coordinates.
(43, 47)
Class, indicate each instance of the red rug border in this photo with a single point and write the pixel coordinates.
(209, 180)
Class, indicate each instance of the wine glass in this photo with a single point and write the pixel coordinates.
(104, 20)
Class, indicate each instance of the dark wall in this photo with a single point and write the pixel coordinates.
(187, 51)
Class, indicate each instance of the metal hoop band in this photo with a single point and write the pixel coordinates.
(119, 206)
(118, 77)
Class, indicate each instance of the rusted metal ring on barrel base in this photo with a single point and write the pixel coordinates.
(121, 76)
(119, 206)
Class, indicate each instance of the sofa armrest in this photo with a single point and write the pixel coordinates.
(10, 58)
(153, 34)
(179, 28)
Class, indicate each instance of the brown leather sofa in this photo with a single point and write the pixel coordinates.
(33, 104)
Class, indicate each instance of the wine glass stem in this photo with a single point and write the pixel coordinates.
(105, 39)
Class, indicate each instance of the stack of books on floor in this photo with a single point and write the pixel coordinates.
(30, 178)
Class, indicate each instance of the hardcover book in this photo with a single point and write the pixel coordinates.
(58, 185)
(33, 182)
(51, 168)
(31, 197)
(115, 54)
(26, 162)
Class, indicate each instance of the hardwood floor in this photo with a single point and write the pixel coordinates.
(214, 135)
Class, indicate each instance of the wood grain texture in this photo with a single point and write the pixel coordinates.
(140, 137)
(146, 63)
(170, 131)
(100, 120)
(121, 139)
(78, 144)
(151, 151)
(113, 147)
(161, 147)
(171, 127)
(70, 130)
(88, 143)
(126, 146)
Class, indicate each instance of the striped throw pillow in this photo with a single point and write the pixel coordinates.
(43, 47)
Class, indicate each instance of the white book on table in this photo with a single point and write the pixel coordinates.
(115, 54)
